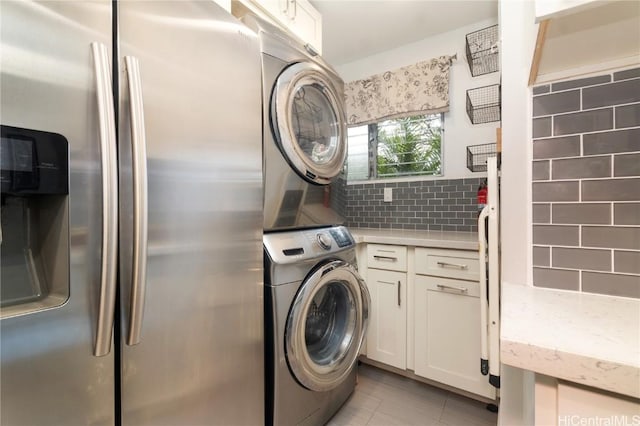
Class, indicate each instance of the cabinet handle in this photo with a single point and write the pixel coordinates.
(386, 258)
(385, 282)
(285, 9)
(453, 265)
(449, 287)
(295, 9)
(398, 292)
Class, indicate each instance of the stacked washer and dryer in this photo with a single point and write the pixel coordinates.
(316, 303)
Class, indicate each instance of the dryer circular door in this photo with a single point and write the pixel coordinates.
(308, 121)
(326, 326)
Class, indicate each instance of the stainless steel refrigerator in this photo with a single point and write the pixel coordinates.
(131, 215)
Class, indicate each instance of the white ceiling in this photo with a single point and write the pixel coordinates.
(354, 29)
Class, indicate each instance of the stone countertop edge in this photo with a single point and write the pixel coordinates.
(417, 238)
(589, 339)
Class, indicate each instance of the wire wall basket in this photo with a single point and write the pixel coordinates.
(483, 104)
(477, 156)
(482, 51)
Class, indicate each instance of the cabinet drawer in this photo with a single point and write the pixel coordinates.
(448, 285)
(448, 263)
(382, 256)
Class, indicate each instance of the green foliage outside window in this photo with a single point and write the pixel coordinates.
(409, 146)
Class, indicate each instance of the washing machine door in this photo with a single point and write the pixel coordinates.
(326, 326)
(308, 122)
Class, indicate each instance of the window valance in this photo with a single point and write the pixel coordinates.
(422, 88)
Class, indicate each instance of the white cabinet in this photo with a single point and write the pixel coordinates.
(387, 335)
(546, 9)
(225, 4)
(447, 320)
(562, 403)
(298, 17)
(464, 265)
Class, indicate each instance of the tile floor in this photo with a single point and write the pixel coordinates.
(387, 399)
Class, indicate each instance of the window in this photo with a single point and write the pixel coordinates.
(410, 146)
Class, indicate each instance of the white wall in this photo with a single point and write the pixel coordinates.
(518, 35)
(459, 132)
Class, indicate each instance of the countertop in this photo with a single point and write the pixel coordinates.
(433, 239)
(590, 339)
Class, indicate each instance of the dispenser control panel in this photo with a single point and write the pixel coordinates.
(33, 162)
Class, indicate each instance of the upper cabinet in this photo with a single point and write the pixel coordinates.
(298, 17)
(579, 37)
(546, 9)
(225, 4)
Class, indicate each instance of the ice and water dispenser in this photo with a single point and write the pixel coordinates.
(34, 236)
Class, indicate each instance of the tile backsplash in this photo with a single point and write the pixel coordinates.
(435, 205)
(586, 184)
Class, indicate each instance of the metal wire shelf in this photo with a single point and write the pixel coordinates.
(477, 156)
(482, 51)
(483, 104)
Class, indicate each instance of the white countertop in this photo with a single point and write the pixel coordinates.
(589, 339)
(434, 239)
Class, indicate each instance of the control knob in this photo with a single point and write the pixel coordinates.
(324, 241)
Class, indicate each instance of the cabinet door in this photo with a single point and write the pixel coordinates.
(387, 336)
(447, 333)
(296, 16)
(307, 23)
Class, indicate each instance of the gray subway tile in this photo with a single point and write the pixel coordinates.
(556, 235)
(581, 213)
(579, 168)
(556, 191)
(538, 90)
(541, 127)
(628, 116)
(611, 190)
(540, 170)
(626, 214)
(617, 237)
(622, 92)
(626, 165)
(576, 258)
(568, 146)
(541, 256)
(582, 82)
(612, 142)
(556, 103)
(623, 75)
(582, 122)
(556, 278)
(627, 262)
(611, 284)
(541, 213)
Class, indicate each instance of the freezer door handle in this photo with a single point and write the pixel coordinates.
(106, 118)
(140, 211)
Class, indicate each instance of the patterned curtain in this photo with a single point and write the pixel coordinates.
(422, 88)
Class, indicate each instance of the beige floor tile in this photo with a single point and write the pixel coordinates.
(382, 419)
(383, 398)
(362, 400)
(459, 410)
(352, 416)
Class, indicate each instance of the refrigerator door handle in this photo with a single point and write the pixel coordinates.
(140, 211)
(106, 118)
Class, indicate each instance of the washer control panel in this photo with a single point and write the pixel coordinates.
(292, 246)
(324, 240)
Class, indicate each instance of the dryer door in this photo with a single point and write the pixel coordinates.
(308, 122)
(326, 326)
